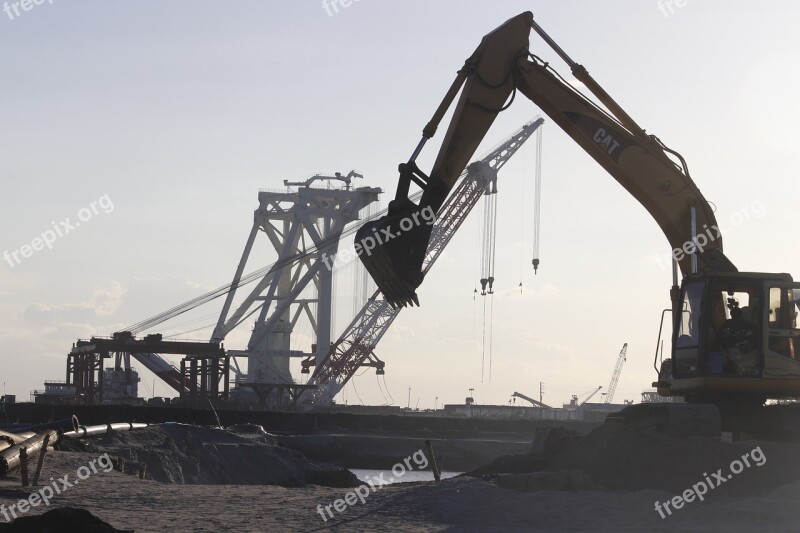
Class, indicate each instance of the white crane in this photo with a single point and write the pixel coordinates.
(615, 376)
(576, 401)
(355, 346)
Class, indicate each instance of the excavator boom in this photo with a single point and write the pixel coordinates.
(501, 66)
(735, 335)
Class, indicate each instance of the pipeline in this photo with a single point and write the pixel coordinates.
(16, 438)
(9, 458)
(6, 444)
(103, 429)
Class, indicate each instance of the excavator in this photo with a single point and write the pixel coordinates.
(735, 340)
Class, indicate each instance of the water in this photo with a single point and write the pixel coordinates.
(389, 477)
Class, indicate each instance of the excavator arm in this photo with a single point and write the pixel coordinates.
(501, 67)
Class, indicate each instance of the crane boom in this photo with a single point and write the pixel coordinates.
(528, 398)
(612, 387)
(358, 341)
(591, 395)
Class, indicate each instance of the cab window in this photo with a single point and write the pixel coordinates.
(688, 335)
(784, 335)
(734, 336)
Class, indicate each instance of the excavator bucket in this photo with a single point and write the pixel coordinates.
(393, 248)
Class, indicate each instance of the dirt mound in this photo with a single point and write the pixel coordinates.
(618, 457)
(572, 480)
(60, 520)
(183, 454)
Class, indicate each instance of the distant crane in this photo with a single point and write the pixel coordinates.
(612, 387)
(528, 398)
(574, 401)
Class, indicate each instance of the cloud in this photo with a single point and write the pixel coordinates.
(113, 303)
(106, 300)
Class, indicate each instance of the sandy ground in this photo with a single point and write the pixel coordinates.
(462, 504)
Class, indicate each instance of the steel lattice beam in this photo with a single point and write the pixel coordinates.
(362, 335)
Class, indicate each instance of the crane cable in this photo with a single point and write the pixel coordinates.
(362, 281)
(483, 342)
(491, 330)
(488, 240)
(385, 386)
(522, 220)
(385, 399)
(537, 200)
(353, 383)
(492, 250)
(246, 279)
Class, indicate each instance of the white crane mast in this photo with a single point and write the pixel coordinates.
(355, 346)
(615, 376)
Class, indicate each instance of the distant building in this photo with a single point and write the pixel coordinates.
(587, 412)
(119, 386)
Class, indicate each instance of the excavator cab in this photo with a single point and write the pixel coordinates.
(734, 332)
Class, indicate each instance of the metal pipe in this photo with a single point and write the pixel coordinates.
(10, 458)
(17, 438)
(103, 429)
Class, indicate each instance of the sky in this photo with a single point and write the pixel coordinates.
(154, 125)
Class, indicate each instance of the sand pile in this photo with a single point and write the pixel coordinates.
(183, 454)
(619, 457)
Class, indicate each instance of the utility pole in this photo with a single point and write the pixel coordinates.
(435, 403)
(541, 391)
(409, 397)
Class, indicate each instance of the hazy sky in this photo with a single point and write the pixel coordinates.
(170, 116)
